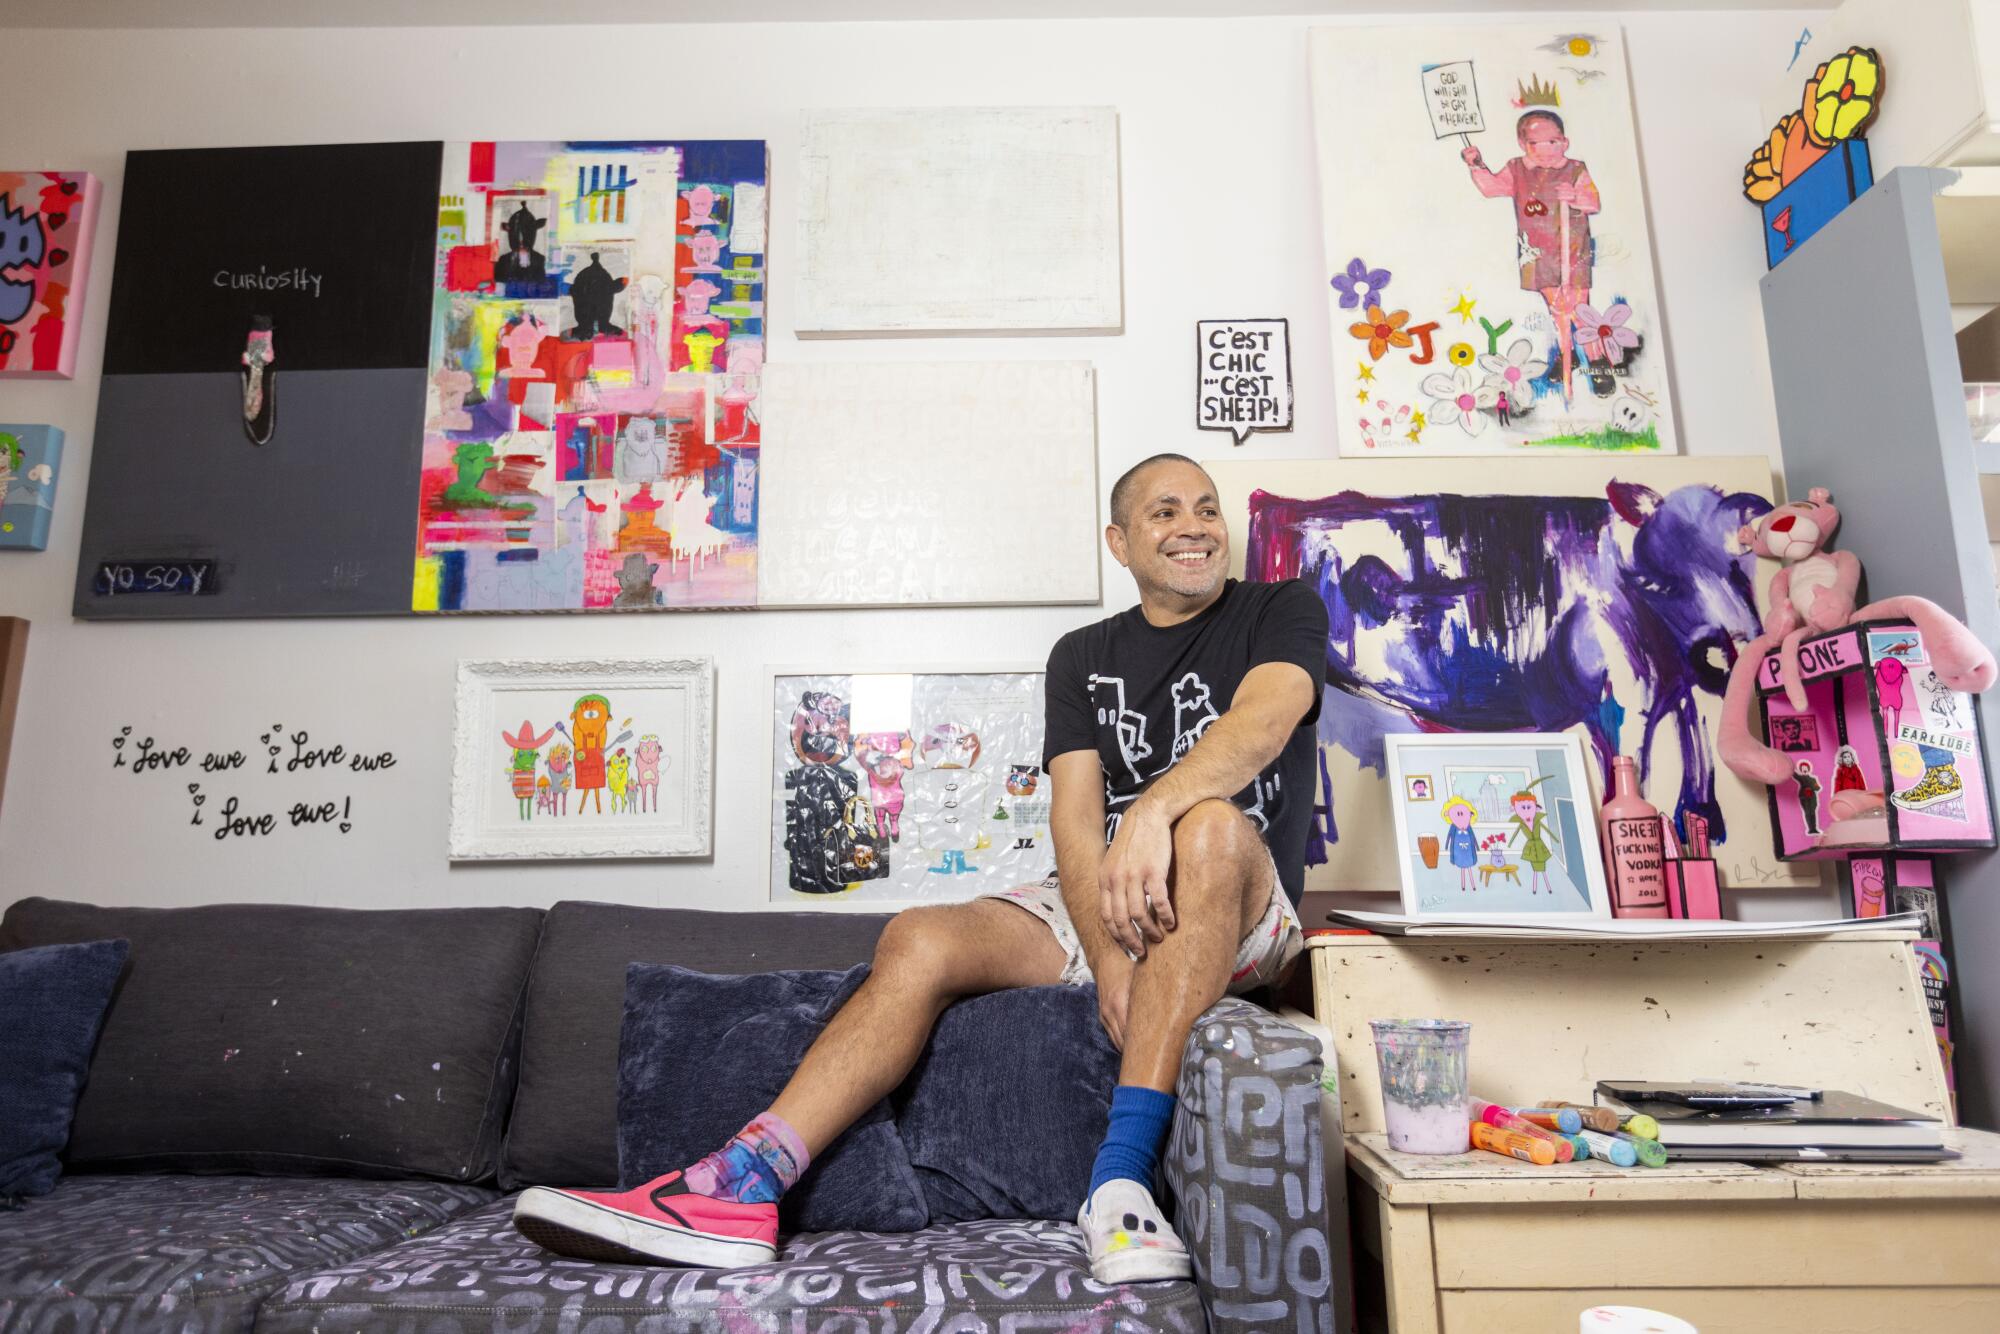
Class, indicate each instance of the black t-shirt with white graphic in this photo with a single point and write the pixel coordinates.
(1141, 695)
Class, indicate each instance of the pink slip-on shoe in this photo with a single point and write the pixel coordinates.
(660, 1222)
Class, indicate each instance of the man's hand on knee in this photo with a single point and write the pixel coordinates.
(1132, 880)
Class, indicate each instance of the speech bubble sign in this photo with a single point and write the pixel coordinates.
(1244, 376)
(1453, 99)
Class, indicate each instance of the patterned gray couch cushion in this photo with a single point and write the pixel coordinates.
(195, 1254)
(477, 1273)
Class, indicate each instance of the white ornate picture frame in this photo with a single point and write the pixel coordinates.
(581, 758)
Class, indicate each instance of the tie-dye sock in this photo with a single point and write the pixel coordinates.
(759, 1165)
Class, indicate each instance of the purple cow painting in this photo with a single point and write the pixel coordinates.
(1512, 613)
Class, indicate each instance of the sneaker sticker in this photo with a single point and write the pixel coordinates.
(1940, 792)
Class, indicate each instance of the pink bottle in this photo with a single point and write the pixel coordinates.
(1635, 846)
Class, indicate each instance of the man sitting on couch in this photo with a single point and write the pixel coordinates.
(1179, 744)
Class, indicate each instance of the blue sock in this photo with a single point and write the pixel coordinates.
(1140, 1120)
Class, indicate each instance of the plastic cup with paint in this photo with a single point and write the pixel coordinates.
(1422, 1063)
(1630, 1320)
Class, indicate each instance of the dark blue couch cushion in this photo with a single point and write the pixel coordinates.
(1004, 1114)
(1001, 1118)
(564, 1131)
(52, 1002)
(701, 1054)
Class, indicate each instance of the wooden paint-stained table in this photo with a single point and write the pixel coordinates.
(1477, 1242)
(1482, 1243)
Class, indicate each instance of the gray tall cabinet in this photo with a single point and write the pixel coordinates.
(1870, 405)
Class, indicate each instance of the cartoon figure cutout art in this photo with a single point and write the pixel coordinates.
(907, 788)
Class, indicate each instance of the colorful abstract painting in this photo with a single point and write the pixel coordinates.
(1490, 268)
(592, 432)
(1606, 598)
(30, 458)
(46, 222)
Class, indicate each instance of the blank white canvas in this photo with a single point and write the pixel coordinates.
(967, 483)
(959, 219)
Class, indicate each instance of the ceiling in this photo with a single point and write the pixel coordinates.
(489, 13)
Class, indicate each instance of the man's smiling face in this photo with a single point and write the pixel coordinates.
(1172, 536)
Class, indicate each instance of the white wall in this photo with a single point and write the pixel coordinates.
(1221, 219)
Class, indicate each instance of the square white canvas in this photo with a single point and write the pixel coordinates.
(955, 483)
(959, 219)
(1443, 340)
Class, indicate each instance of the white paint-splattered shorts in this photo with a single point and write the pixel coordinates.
(1266, 952)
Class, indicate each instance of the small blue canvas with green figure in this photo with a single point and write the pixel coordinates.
(29, 459)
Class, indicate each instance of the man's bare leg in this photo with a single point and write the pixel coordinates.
(722, 1212)
(926, 959)
(1221, 883)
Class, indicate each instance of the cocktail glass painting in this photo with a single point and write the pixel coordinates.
(1496, 825)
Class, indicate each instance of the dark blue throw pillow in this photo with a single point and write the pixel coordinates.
(1004, 1114)
(701, 1054)
(52, 1002)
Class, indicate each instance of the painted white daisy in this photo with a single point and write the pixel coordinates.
(1457, 401)
(1514, 373)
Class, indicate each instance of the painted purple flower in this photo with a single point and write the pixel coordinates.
(1361, 286)
(1605, 335)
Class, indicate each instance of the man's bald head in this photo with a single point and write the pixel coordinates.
(1125, 491)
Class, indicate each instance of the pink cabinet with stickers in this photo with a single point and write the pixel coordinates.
(1884, 755)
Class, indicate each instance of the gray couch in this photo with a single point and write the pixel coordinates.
(305, 1119)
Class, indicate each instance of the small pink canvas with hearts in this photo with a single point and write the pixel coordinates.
(46, 222)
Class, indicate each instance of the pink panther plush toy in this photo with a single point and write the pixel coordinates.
(1814, 593)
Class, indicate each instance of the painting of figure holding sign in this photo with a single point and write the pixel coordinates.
(1553, 199)
(1475, 331)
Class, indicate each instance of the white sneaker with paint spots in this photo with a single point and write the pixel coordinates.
(1129, 1240)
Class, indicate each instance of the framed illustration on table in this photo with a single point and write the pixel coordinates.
(891, 788)
(1505, 828)
(583, 758)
